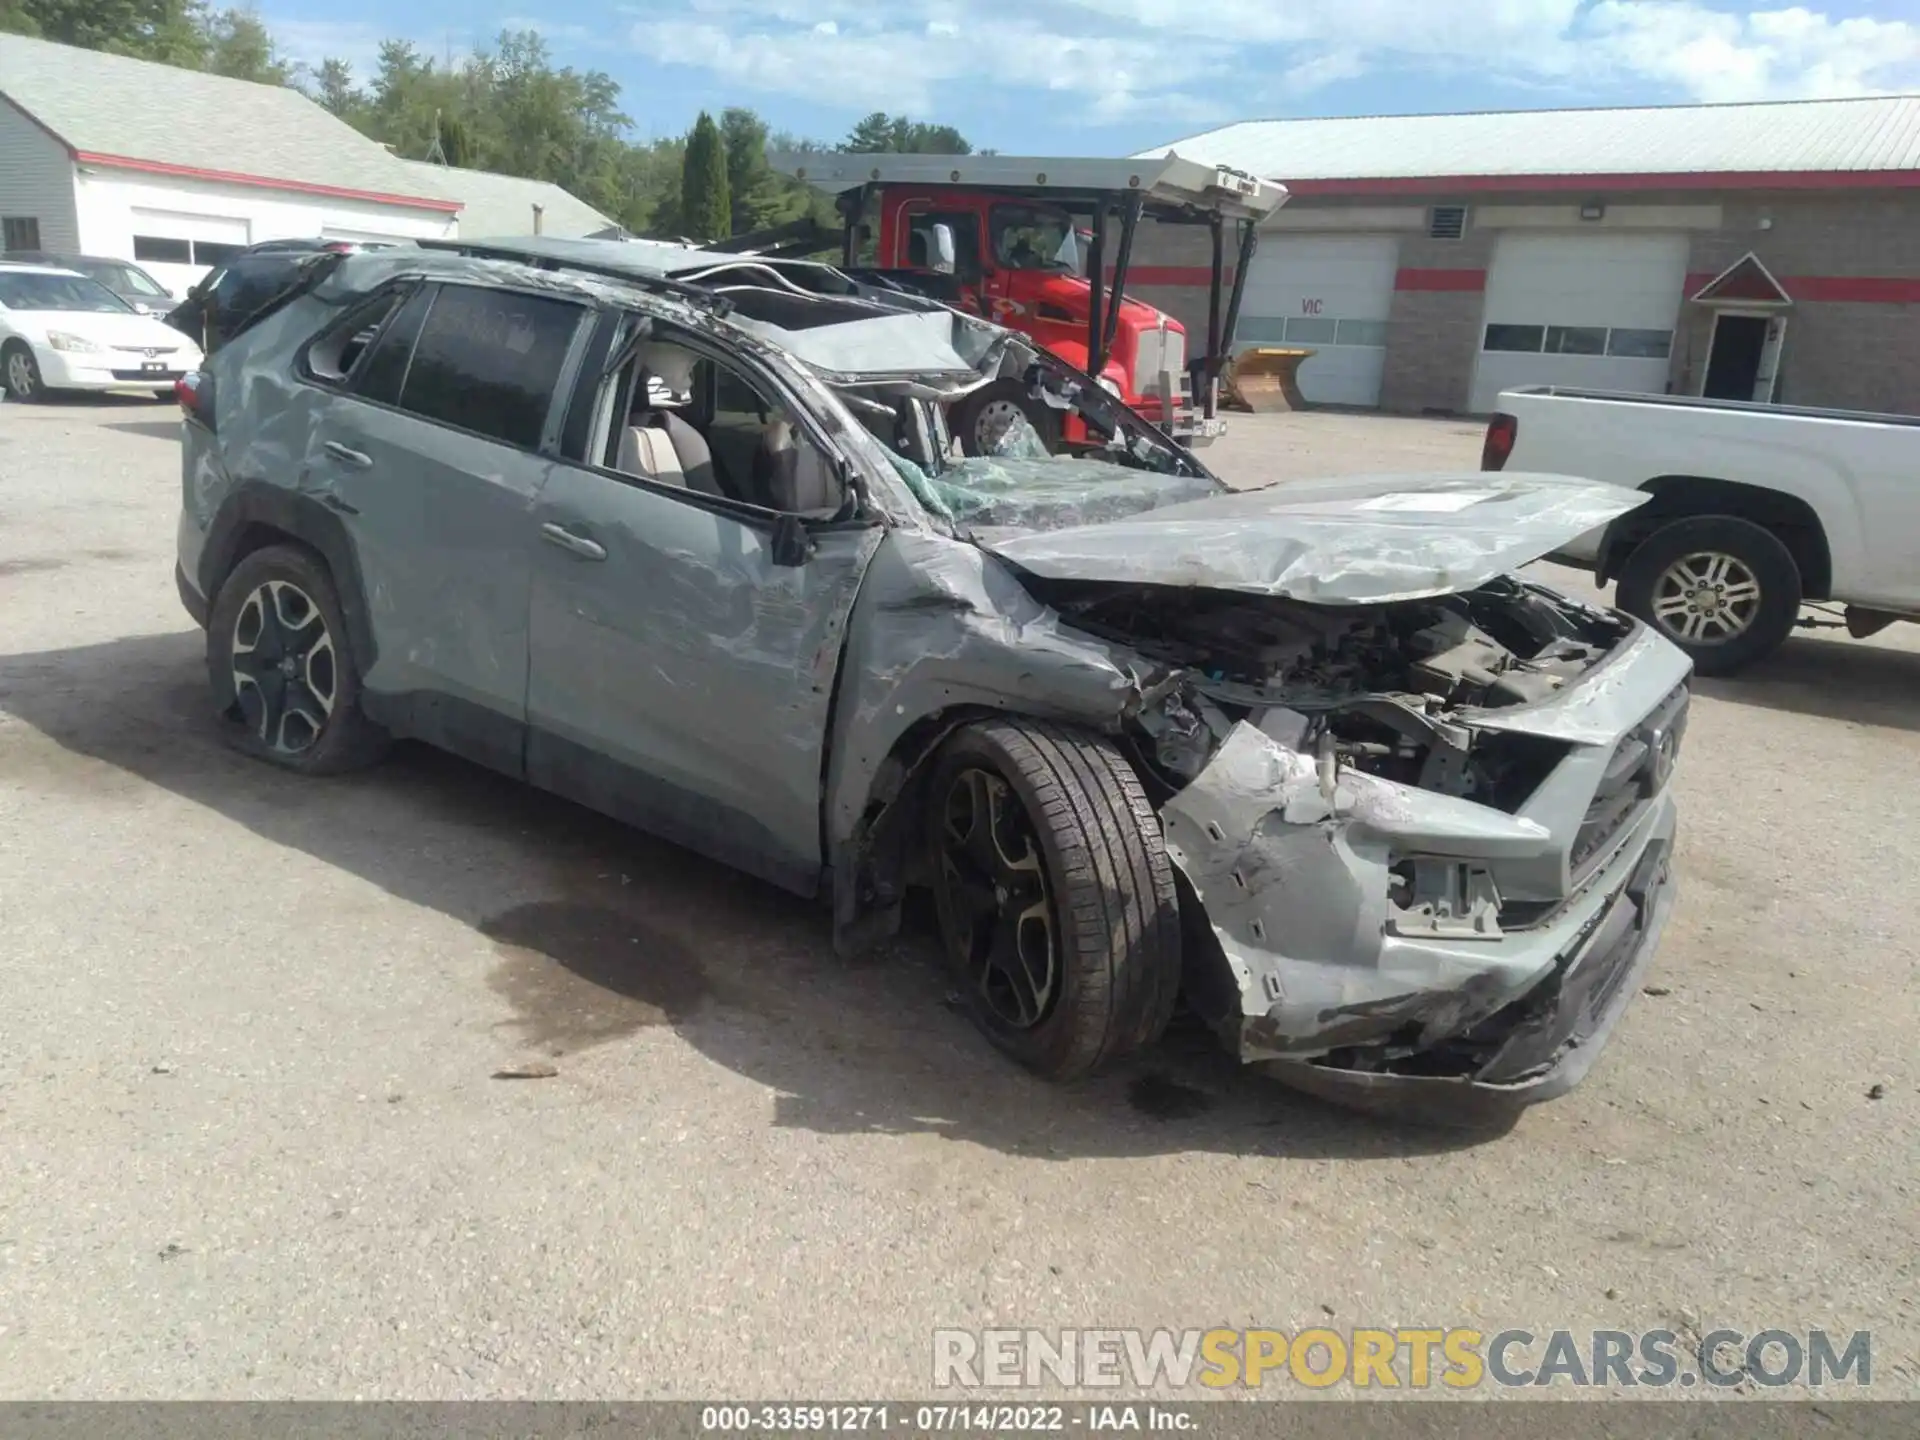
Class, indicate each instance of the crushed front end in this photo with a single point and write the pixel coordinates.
(1425, 845)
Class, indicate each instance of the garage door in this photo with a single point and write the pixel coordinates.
(1329, 294)
(178, 246)
(1596, 311)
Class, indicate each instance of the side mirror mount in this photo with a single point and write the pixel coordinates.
(942, 260)
(791, 545)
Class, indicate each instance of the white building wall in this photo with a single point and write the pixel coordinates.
(36, 179)
(116, 205)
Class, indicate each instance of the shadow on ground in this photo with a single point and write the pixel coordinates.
(630, 933)
(1850, 680)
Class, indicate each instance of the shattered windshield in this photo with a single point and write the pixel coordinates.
(1043, 492)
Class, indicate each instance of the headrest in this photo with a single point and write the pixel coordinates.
(672, 367)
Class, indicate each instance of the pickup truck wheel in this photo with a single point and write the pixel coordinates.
(986, 417)
(1724, 590)
(1055, 894)
(282, 668)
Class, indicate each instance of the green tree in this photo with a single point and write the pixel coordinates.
(239, 46)
(705, 211)
(755, 194)
(881, 133)
(333, 88)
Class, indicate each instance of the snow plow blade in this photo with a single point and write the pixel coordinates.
(1262, 381)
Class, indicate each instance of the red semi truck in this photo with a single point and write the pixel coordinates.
(1044, 245)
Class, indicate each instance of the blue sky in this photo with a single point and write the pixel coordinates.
(1116, 76)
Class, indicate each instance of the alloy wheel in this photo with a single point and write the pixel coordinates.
(285, 675)
(1706, 598)
(20, 375)
(996, 900)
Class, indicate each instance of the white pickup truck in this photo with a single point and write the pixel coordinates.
(1756, 510)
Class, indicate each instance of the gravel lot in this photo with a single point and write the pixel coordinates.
(248, 1027)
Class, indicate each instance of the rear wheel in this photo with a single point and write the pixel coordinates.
(22, 373)
(1723, 589)
(993, 421)
(282, 667)
(1054, 893)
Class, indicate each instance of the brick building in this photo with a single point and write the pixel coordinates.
(1766, 251)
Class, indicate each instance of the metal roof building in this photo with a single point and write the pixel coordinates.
(1746, 144)
(174, 168)
(1427, 262)
(497, 205)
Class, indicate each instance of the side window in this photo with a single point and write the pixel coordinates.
(685, 421)
(334, 357)
(488, 361)
(965, 226)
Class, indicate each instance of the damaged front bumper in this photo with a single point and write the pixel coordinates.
(1443, 1010)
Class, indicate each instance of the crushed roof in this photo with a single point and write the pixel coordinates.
(1880, 133)
(112, 105)
(495, 205)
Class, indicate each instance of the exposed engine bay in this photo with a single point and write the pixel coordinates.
(1382, 689)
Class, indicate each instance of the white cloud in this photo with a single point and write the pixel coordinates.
(1183, 64)
(308, 42)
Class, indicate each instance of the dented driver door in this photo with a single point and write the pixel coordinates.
(682, 670)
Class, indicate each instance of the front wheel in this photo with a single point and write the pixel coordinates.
(1724, 590)
(22, 373)
(1003, 419)
(282, 666)
(1054, 893)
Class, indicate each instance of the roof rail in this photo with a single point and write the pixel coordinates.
(546, 255)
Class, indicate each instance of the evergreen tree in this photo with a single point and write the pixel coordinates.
(705, 211)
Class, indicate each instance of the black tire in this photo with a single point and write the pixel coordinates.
(20, 373)
(978, 417)
(305, 631)
(1651, 581)
(1104, 886)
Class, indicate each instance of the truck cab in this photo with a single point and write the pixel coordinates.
(1022, 263)
(1043, 245)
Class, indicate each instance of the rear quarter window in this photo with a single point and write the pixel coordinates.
(489, 361)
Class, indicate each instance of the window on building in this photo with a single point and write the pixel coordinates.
(488, 361)
(163, 249)
(1362, 332)
(215, 252)
(1576, 340)
(1309, 330)
(1640, 344)
(1523, 339)
(22, 232)
(1260, 330)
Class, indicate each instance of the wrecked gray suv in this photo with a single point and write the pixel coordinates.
(682, 538)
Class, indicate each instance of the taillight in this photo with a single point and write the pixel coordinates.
(1502, 431)
(194, 391)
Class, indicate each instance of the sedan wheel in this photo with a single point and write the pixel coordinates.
(23, 374)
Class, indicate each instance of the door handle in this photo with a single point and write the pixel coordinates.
(347, 456)
(575, 544)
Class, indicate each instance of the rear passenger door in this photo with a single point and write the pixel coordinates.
(432, 450)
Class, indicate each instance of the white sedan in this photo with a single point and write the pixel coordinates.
(61, 331)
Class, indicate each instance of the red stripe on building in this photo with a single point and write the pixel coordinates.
(1710, 180)
(1464, 281)
(228, 177)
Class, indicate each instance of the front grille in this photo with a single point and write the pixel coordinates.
(1636, 772)
(1159, 350)
(145, 375)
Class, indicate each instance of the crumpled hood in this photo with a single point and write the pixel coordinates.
(1367, 539)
